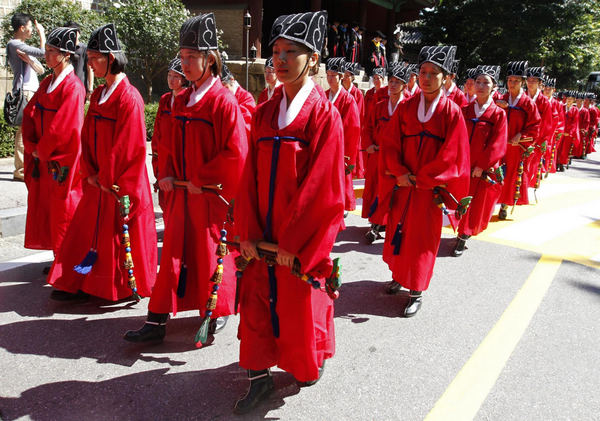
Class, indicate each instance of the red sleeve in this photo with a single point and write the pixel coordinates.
(496, 145)
(546, 132)
(390, 154)
(531, 127)
(156, 134)
(28, 131)
(351, 122)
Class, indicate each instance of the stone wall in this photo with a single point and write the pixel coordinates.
(230, 20)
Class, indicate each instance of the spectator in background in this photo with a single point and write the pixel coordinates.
(396, 47)
(80, 62)
(25, 67)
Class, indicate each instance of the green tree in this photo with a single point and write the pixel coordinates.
(52, 14)
(149, 31)
(559, 34)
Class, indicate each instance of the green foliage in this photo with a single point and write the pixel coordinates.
(52, 14)
(7, 138)
(150, 111)
(149, 30)
(562, 35)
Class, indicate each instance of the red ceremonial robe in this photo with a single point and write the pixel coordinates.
(550, 155)
(570, 139)
(264, 95)
(348, 110)
(593, 130)
(160, 137)
(292, 194)
(544, 135)
(457, 96)
(207, 145)
(416, 90)
(359, 169)
(52, 127)
(373, 133)
(487, 136)
(113, 142)
(584, 125)
(522, 118)
(437, 152)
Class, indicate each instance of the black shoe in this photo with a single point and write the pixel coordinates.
(503, 212)
(461, 241)
(313, 382)
(78, 296)
(414, 304)
(393, 288)
(561, 168)
(370, 236)
(345, 214)
(217, 325)
(153, 331)
(261, 386)
(46, 270)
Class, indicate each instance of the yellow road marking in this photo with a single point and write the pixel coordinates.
(471, 386)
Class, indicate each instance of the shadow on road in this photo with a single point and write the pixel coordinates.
(353, 239)
(149, 395)
(361, 298)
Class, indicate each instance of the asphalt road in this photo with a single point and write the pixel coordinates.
(509, 331)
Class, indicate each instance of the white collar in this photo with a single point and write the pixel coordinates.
(517, 99)
(236, 86)
(198, 93)
(107, 93)
(424, 118)
(392, 108)
(534, 98)
(414, 88)
(288, 114)
(449, 91)
(479, 111)
(60, 78)
(470, 98)
(335, 97)
(271, 91)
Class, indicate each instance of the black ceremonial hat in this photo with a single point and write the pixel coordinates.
(336, 64)
(536, 72)
(551, 82)
(353, 68)
(105, 40)
(491, 71)
(413, 68)
(472, 73)
(378, 71)
(175, 65)
(517, 68)
(308, 29)
(380, 34)
(269, 63)
(199, 33)
(580, 95)
(65, 39)
(455, 66)
(399, 71)
(440, 55)
(226, 74)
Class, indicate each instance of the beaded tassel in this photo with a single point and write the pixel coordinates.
(128, 262)
(202, 335)
(518, 186)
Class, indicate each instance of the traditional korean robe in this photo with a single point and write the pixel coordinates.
(292, 194)
(593, 130)
(435, 148)
(349, 112)
(523, 118)
(570, 139)
(266, 94)
(546, 131)
(52, 126)
(160, 137)
(456, 95)
(113, 147)
(550, 155)
(416, 90)
(359, 169)
(208, 145)
(487, 137)
(584, 125)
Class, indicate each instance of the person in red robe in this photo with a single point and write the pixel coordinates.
(593, 128)
(537, 165)
(570, 139)
(271, 82)
(163, 122)
(243, 97)
(207, 146)
(469, 88)
(348, 109)
(557, 126)
(425, 146)
(371, 96)
(412, 87)
(351, 70)
(384, 110)
(579, 151)
(523, 128)
(292, 195)
(451, 90)
(51, 129)
(113, 163)
(486, 125)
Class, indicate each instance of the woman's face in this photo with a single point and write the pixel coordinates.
(431, 78)
(333, 79)
(99, 62)
(484, 86)
(377, 80)
(270, 75)
(514, 83)
(291, 61)
(175, 80)
(470, 86)
(395, 85)
(195, 64)
(53, 56)
(533, 84)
